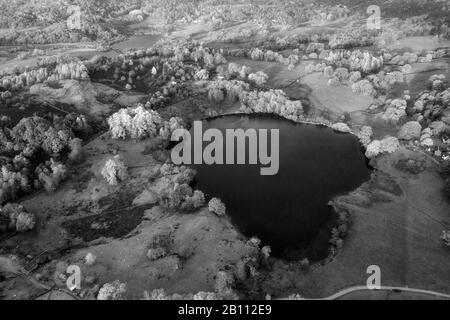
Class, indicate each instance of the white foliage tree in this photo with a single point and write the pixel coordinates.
(136, 123)
(114, 170)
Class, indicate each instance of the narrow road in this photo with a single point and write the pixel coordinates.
(346, 291)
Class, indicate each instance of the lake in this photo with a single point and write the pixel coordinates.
(289, 210)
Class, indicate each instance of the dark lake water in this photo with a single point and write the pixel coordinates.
(289, 210)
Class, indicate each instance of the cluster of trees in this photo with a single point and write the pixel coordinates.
(50, 174)
(35, 142)
(135, 123)
(45, 21)
(50, 69)
(16, 82)
(269, 55)
(406, 58)
(236, 34)
(355, 37)
(232, 90)
(33, 133)
(339, 232)
(395, 110)
(356, 60)
(139, 123)
(431, 105)
(365, 135)
(168, 64)
(374, 84)
(112, 291)
(272, 101)
(72, 70)
(244, 72)
(223, 290)
(245, 274)
(14, 217)
(174, 188)
(12, 183)
(386, 145)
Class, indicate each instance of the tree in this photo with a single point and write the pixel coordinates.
(259, 77)
(112, 291)
(446, 237)
(51, 174)
(201, 75)
(233, 68)
(244, 72)
(215, 205)
(365, 135)
(224, 283)
(193, 202)
(18, 218)
(114, 170)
